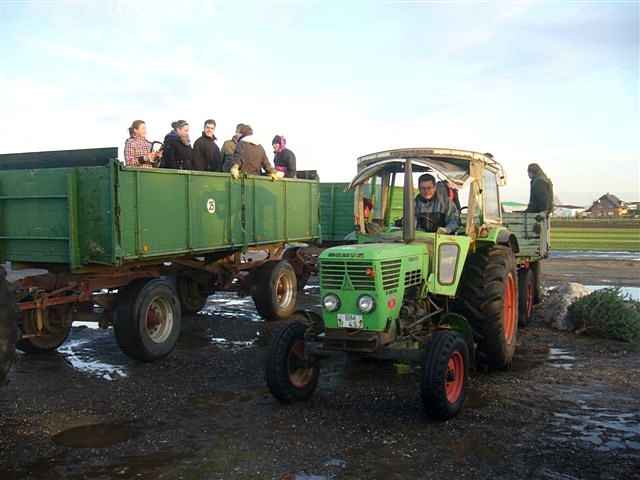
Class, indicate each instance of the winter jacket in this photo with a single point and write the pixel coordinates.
(176, 154)
(435, 213)
(228, 147)
(251, 158)
(541, 196)
(285, 162)
(206, 154)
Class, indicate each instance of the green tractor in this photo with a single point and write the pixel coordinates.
(442, 301)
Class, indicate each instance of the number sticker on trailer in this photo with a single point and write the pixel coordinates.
(349, 320)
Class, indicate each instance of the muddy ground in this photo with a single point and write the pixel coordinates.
(569, 408)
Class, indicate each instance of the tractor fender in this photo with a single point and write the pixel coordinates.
(505, 237)
(459, 323)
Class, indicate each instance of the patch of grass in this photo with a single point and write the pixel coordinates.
(608, 313)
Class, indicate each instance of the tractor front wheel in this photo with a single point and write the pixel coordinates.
(445, 374)
(290, 375)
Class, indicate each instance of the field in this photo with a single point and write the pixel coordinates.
(601, 235)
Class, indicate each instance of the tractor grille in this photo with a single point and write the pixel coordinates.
(412, 278)
(391, 275)
(334, 275)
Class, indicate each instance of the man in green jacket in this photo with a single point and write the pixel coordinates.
(541, 196)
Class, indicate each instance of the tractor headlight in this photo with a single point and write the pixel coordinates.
(331, 302)
(366, 303)
(447, 262)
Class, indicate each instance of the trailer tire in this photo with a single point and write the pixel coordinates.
(290, 377)
(275, 290)
(538, 291)
(192, 293)
(57, 325)
(526, 296)
(8, 326)
(147, 319)
(489, 299)
(444, 378)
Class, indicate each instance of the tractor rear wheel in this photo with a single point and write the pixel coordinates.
(147, 319)
(526, 296)
(8, 326)
(489, 299)
(445, 374)
(290, 375)
(275, 290)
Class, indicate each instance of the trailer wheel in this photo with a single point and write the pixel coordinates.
(489, 299)
(290, 376)
(538, 293)
(147, 319)
(445, 374)
(57, 326)
(8, 327)
(192, 293)
(275, 290)
(526, 296)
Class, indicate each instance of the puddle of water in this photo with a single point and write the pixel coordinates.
(229, 305)
(633, 292)
(99, 435)
(634, 256)
(233, 344)
(80, 359)
(561, 358)
(604, 428)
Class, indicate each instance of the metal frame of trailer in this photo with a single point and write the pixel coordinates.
(103, 232)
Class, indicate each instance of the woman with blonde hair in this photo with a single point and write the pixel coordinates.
(137, 149)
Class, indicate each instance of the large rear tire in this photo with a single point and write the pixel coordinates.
(489, 299)
(275, 290)
(290, 376)
(8, 326)
(57, 326)
(445, 374)
(147, 319)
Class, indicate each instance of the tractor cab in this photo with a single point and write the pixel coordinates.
(385, 192)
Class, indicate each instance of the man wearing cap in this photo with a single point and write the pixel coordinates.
(228, 147)
(250, 157)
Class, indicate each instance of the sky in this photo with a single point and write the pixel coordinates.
(552, 82)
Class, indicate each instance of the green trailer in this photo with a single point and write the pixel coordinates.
(337, 211)
(146, 244)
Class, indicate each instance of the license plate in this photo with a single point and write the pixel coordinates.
(349, 320)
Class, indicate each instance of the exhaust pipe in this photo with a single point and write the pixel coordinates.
(409, 221)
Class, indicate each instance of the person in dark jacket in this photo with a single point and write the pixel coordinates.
(541, 195)
(434, 210)
(206, 154)
(283, 159)
(250, 157)
(228, 147)
(177, 148)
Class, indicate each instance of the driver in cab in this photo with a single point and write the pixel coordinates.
(434, 210)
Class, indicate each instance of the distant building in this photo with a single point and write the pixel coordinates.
(568, 211)
(608, 205)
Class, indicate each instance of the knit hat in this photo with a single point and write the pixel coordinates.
(179, 124)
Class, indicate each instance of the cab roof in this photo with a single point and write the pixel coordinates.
(455, 165)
